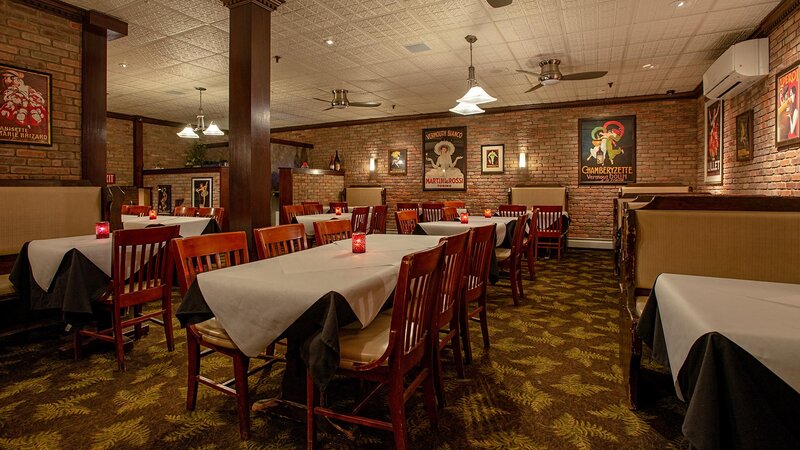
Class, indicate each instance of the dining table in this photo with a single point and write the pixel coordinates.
(733, 349)
(304, 297)
(189, 226)
(307, 220)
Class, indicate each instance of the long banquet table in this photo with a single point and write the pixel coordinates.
(305, 297)
(733, 349)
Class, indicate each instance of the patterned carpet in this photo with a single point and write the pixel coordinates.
(551, 380)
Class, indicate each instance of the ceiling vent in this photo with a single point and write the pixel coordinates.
(417, 48)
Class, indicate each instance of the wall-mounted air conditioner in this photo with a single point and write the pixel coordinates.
(737, 69)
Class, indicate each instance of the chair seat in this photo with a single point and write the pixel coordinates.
(502, 253)
(213, 333)
(640, 302)
(362, 346)
(6, 288)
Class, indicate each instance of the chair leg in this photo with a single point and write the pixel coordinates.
(193, 350)
(484, 322)
(397, 411)
(137, 328)
(240, 367)
(437, 373)
(512, 277)
(311, 403)
(118, 340)
(464, 324)
(456, 343)
(167, 318)
(531, 257)
(429, 393)
(520, 288)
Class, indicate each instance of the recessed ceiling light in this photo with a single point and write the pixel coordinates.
(680, 3)
(329, 41)
(123, 65)
(648, 66)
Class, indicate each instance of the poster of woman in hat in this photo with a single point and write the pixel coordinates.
(444, 159)
(24, 106)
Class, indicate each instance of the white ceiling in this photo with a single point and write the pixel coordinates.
(175, 45)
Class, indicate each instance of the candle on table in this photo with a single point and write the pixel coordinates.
(487, 213)
(153, 214)
(464, 218)
(338, 211)
(101, 230)
(359, 242)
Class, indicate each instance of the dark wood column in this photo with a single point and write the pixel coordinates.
(138, 152)
(248, 107)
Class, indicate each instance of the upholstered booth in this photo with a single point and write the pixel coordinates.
(539, 195)
(365, 195)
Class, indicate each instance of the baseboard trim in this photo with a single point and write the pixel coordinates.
(600, 244)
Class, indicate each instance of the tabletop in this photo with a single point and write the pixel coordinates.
(190, 226)
(449, 228)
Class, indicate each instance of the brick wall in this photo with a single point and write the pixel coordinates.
(181, 186)
(164, 149)
(119, 154)
(772, 171)
(666, 152)
(36, 40)
(316, 188)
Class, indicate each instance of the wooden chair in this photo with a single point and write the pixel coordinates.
(406, 206)
(205, 253)
(446, 312)
(481, 246)
(288, 212)
(456, 205)
(124, 209)
(280, 240)
(185, 211)
(389, 348)
(138, 210)
(359, 219)
(333, 205)
(141, 273)
(377, 224)
(530, 244)
(549, 232)
(217, 213)
(328, 231)
(449, 214)
(512, 210)
(511, 259)
(406, 221)
(432, 211)
(311, 203)
(312, 208)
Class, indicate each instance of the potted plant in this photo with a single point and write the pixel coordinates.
(196, 154)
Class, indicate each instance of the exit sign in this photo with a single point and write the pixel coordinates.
(111, 178)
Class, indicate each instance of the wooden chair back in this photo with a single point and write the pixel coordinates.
(512, 210)
(455, 204)
(327, 231)
(288, 212)
(406, 221)
(280, 240)
(449, 214)
(481, 248)
(377, 224)
(359, 219)
(141, 268)
(549, 221)
(334, 205)
(312, 208)
(518, 239)
(311, 203)
(138, 210)
(432, 211)
(455, 263)
(185, 211)
(217, 214)
(405, 206)
(208, 252)
(124, 209)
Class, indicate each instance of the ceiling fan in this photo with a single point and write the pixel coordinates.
(551, 75)
(340, 101)
(498, 3)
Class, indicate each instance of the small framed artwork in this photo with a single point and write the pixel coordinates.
(787, 111)
(713, 159)
(744, 136)
(397, 162)
(202, 192)
(164, 198)
(493, 159)
(25, 109)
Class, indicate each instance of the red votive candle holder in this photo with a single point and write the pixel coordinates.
(338, 211)
(359, 242)
(464, 218)
(487, 213)
(102, 230)
(153, 214)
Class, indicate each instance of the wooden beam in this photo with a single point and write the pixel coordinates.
(138, 152)
(114, 27)
(94, 86)
(56, 8)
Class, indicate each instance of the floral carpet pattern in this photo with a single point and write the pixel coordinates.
(550, 380)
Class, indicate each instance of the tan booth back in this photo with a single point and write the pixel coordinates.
(626, 204)
(364, 196)
(753, 245)
(539, 196)
(44, 212)
(655, 189)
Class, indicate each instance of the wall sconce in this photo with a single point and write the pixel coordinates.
(372, 165)
(523, 160)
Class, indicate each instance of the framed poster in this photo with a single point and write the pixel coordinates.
(397, 162)
(607, 150)
(787, 116)
(26, 104)
(164, 198)
(493, 159)
(713, 165)
(744, 136)
(444, 155)
(202, 192)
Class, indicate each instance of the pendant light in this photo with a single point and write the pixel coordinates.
(466, 109)
(475, 95)
(191, 133)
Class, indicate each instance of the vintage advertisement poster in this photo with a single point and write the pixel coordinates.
(492, 159)
(787, 113)
(25, 107)
(744, 136)
(713, 166)
(397, 162)
(444, 153)
(607, 153)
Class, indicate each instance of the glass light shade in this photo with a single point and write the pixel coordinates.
(523, 160)
(213, 130)
(550, 81)
(372, 164)
(476, 95)
(466, 109)
(188, 133)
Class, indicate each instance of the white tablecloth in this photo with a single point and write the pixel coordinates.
(447, 228)
(45, 255)
(190, 226)
(308, 220)
(257, 302)
(763, 318)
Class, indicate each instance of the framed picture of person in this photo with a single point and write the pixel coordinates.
(398, 162)
(164, 198)
(444, 159)
(493, 159)
(25, 106)
(713, 146)
(607, 150)
(744, 136)
(787, 106)
(202, 192)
